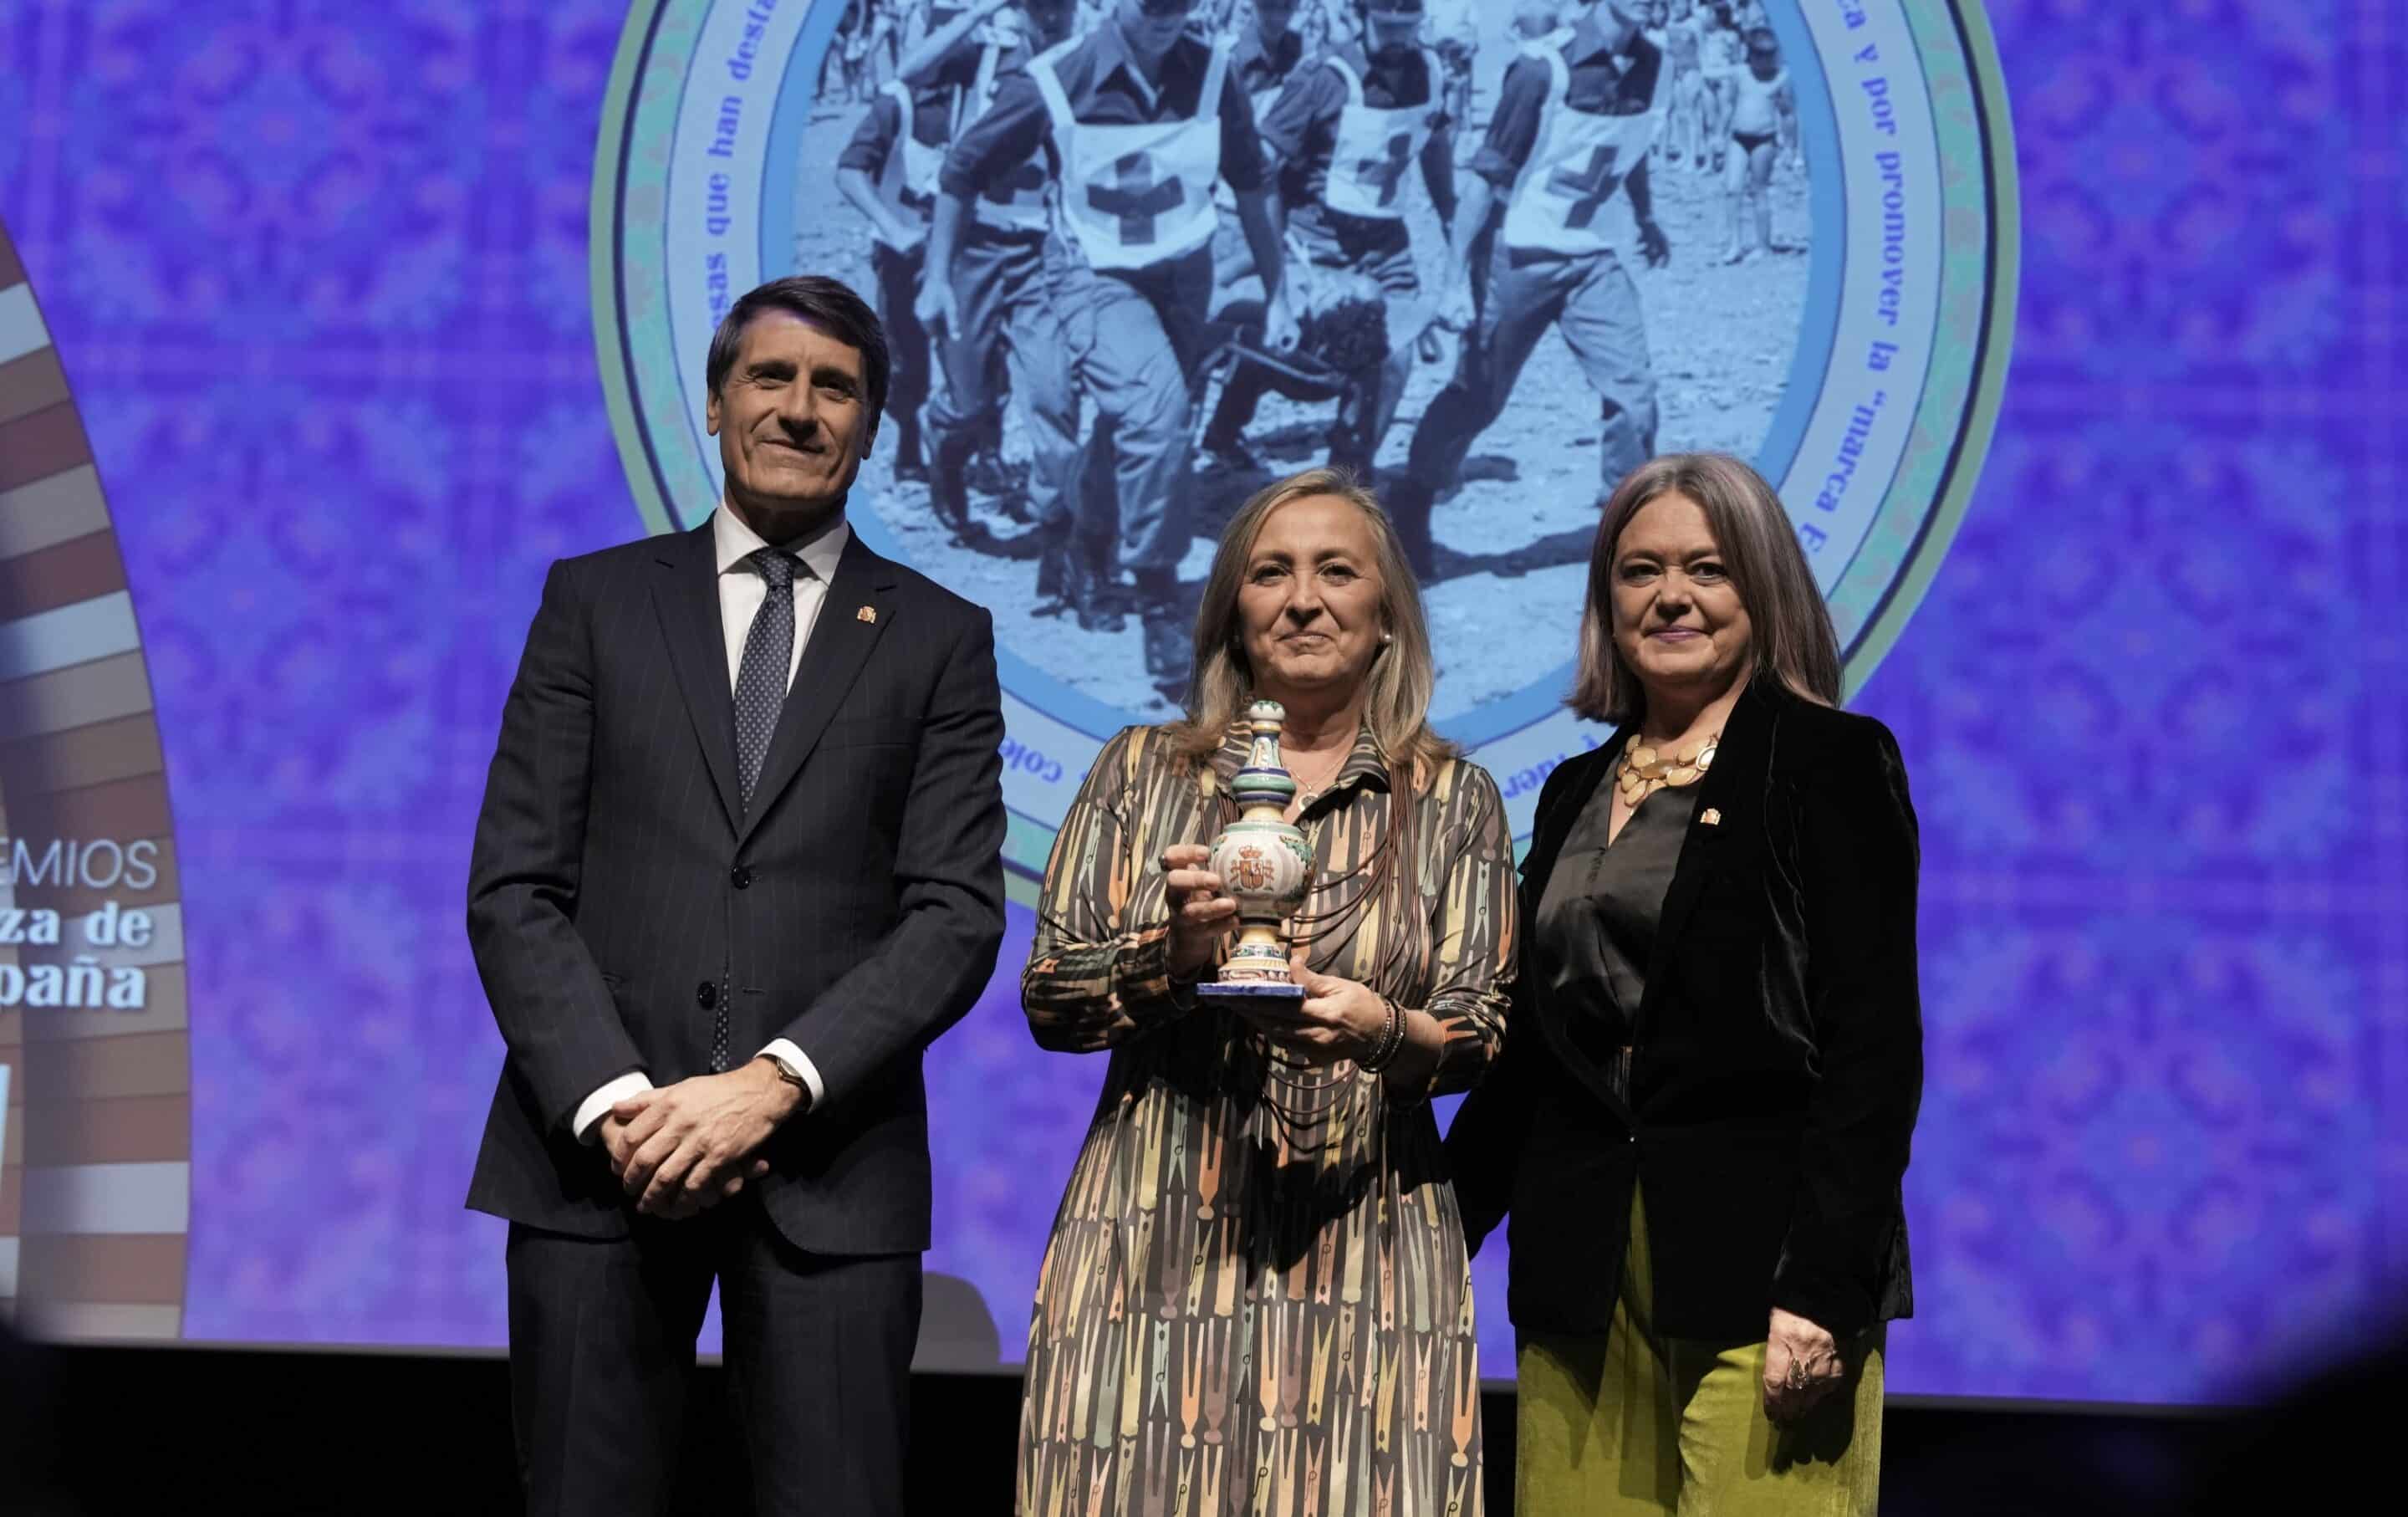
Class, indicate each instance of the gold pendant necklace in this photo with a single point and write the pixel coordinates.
(1311, 792)
(1643, 770)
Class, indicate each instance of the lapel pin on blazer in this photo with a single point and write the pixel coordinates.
(1714, 817)
(867, 613)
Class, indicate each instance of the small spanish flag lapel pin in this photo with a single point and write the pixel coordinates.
(867, 613)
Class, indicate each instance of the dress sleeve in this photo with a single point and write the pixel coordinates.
(1477, 932)
(1099, 967)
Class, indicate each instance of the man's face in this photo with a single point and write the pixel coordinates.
(1152, 25)
(1537, 18)
(1049, 21)
(1392, 25)
(792, 417)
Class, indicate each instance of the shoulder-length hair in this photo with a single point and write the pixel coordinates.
(1794, 640)
(1403, 673)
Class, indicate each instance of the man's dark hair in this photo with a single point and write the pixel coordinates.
(827, 303)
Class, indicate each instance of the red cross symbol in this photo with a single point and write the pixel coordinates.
(1593, 188)
(1025, 179)
(1135, 198)
(1389, 172)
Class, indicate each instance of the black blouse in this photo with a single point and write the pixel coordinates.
(1596, 922)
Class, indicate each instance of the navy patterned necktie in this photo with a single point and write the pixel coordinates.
(760, 696)
(768, 653)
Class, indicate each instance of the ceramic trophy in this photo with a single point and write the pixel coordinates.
(1263, 864)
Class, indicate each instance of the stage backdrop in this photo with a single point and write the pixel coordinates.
(368, 314)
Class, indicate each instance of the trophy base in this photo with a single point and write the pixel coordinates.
(1251, 990)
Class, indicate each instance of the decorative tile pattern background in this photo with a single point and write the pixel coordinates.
(317, 272)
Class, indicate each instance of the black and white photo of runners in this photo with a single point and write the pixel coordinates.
(1683, 184)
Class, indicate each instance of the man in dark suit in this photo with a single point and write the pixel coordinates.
(738, 865)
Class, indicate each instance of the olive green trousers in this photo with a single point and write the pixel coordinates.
(1636, 1423)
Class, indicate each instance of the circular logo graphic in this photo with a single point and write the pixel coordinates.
(1811, 266)
(95, 1074)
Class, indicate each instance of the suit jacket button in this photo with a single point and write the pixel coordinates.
(706, 994)
(739, 877)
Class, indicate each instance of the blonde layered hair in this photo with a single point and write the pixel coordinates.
(1403, 673)
(1790, 626)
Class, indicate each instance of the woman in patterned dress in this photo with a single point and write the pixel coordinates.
(1255, 1299)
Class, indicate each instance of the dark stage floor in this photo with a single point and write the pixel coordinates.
(142, 1430)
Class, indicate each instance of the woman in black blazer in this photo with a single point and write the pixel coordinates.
(1702, 1118)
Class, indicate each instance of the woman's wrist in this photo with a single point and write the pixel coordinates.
(1382, 1042)
(1176, 974)
(1417, 1055)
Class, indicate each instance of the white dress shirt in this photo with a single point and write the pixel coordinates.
(742, 593)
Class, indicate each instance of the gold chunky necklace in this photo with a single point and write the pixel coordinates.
(1642, 770)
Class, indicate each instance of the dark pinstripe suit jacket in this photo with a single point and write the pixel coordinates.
(857, 909)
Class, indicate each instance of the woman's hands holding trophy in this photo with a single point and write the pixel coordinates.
(1202, 914)
(1338, 1019)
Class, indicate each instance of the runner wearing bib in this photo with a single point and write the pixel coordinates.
(1348, 134)
(889, 172)
(1136, 124)
(1574, 122)
(1264, 56)
(1268, 54)
(983, 297)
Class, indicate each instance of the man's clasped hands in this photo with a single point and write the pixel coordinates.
(680, 1149)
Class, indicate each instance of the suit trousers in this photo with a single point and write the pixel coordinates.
(818, 1352)
(1638, 1425)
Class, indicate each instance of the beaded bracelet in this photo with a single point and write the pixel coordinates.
(1391, 1041)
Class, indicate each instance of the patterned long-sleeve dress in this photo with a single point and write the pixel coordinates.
(1255, 1299)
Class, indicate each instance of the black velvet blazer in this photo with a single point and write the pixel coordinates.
(1779, 1063)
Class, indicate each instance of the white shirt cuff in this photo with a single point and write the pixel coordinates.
(599, 1105)
(785, 1053)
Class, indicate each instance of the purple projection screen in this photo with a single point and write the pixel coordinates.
(324, 329)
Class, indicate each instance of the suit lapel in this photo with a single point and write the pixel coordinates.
(839, 645)
(686, 595)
